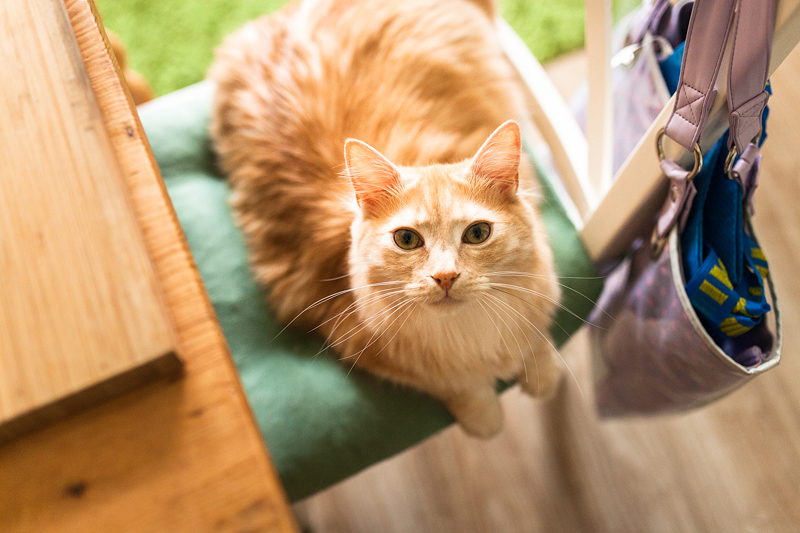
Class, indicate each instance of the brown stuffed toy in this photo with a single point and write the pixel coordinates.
(137, 85)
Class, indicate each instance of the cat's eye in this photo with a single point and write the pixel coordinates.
(407, 239)
(477, 233)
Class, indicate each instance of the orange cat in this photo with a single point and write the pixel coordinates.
(425, 262)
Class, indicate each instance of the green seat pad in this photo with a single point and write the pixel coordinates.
(321, 424)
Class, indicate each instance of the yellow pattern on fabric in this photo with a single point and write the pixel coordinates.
(740, 308)
(716, 294)
(719, 272)
(730, 327)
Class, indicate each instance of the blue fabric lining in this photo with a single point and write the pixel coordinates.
(722, 263)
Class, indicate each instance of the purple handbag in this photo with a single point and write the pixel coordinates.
(640, 41)
(651, 351)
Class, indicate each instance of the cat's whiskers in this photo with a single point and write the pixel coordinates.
(353, 308)
(410, 307)
(379, 330)
(500, 333)
(369, 299)
(519, 347)
(494, 298)
(501, 338)
(360, 326)
(330, 297)
(542, 276)
(555, 279)
(531, 305)
(544, 297)
(414, 307)
(336, 278)
(547, 339)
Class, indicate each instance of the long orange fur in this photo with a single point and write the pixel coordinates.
(424, 84)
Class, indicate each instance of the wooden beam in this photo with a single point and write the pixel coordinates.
(82, 314)
(179, 456)
(553, 118)
(600, 109)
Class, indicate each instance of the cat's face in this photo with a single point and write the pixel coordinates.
(439, 236)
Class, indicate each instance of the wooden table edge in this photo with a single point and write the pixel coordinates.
(200, 340)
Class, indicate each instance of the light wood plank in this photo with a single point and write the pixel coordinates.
(179, 456)
(600, 116)
(80, 300)
(553, 118)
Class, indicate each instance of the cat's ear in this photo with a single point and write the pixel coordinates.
(496, 165)
(375, 179)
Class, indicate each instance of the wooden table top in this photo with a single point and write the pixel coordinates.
(178, 455)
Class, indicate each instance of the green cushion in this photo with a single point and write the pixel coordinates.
(320, 424)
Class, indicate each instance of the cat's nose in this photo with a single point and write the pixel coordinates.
(445, 279)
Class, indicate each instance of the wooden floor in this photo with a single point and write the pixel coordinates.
(733, 466)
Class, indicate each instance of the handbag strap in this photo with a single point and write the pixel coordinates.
(702, 58)
(651, 19)
(749, 70)
(706, 41)
(668, 19)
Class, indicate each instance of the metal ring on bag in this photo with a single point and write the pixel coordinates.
(732, 155)
(698, 154)
(656, 245)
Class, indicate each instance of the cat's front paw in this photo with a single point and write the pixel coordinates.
(542, 376)
(478, 413)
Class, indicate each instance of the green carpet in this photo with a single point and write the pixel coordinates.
(171, 42)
